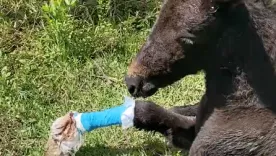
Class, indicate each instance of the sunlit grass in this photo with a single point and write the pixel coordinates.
(50, 66)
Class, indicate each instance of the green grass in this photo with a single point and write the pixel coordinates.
(52, 63)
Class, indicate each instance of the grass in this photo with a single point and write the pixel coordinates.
(56, 58)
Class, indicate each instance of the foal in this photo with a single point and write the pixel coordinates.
(234, 43)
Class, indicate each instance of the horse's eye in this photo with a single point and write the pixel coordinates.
(213, 9)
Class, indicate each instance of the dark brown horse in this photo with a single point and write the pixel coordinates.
(234, 43)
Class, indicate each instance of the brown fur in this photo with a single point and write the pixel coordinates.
(239, 131)
(137, 70)
(234, 42)
(176, 124)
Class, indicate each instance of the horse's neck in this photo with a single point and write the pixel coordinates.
(255, 56)
(265, 22)
(260, 57)
(255, 84)
(243, 93)
(230, 88)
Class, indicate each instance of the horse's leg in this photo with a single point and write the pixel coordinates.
(186, 110)
(179, 138)
(177, 123)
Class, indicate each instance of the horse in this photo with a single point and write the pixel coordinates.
(234, 43)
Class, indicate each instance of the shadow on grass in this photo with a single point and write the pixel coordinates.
(150, 147)
(101, 149)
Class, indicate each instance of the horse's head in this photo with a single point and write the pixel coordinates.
(180, 43)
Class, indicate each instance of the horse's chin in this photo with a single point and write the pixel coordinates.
(149, 93)
(146, 91)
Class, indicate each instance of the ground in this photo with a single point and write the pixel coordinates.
(60, 64)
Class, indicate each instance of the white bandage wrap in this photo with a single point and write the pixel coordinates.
(128, 115)
(79, 125)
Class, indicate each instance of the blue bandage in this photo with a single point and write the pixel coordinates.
(119, 115)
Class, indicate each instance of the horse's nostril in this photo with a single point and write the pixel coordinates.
(133, 84)
(131, 89)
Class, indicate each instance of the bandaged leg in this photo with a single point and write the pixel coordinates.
(67, 132)
(121, 115)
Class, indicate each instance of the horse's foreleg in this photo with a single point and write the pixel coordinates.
(177, 123)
